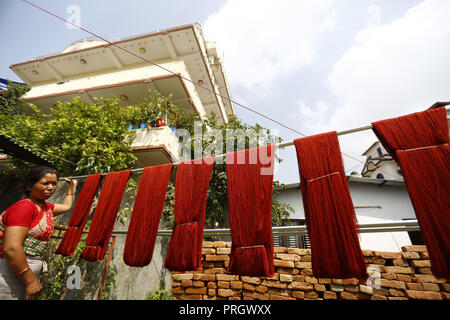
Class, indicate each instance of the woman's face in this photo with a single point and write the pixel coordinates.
(45, 187)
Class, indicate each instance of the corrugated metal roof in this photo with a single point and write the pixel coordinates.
(8, 146)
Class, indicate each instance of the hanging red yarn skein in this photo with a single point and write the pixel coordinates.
(105, 215)
(250, 186)
(79, 215)
(329, 212)
(419, 143)
(146, 214)
(191, 188)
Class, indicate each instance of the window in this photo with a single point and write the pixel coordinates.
(298, 241)
(379, 152)
(415, 236)
(380, 176)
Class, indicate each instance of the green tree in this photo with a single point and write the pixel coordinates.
(11, 102)
(213, 142)
(91, 138)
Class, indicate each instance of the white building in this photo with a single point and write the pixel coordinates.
(90, 68)
(375, 201)
(170, 61)
(379, 164)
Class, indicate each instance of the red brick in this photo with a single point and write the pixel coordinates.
(191, 297)
(445, 295)
(430, 286)
(216, 257)
(196, 290)
(330, 295)
(256, 295)
(348, 296)
(300, 286)
(347, 281)
(414, 286)
(227, 277)
(283, 263)
(421, 263)
(404, 277)
(410, 255)
(392, 284)
(387, 255)
(252, 280)
(298, 294)
(278, 297)
(423, 295)
(377, 297)
(396, 293)
(227, 292)
(427, 278)
(416, 248)
(396, 269)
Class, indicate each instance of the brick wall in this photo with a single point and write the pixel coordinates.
(393, 276)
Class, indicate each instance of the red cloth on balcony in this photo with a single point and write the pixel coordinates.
(146, 214)
(249, 184)
(191, 188)
(105, 215)
(79, 215)
(419, 143)
(329, 212)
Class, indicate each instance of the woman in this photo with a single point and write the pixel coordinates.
(25, 228)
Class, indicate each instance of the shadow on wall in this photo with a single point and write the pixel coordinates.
(9, 191)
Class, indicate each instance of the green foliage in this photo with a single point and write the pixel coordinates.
(214, 142)
(11, 103)
(93, 138)
(159, 294)
(54, 281)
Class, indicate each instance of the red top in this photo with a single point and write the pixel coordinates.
(40, 224)
(24, 213)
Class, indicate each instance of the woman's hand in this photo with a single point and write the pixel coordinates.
(72, 183)
(33, 288)
(69, 200)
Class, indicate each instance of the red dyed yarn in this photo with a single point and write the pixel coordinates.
(249, 185)
(419, 142)
(191, 188)
(79, 215)
(105, 215)
(146, 214)
(329, 212)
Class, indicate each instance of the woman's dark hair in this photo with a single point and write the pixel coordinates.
(34, 175)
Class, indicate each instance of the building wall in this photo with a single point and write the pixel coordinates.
(393, 200)
(403, 275)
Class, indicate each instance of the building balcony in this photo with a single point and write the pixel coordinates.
(155, 146)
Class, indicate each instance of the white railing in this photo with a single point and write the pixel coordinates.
(394, 226)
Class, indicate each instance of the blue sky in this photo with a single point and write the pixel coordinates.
(316, 66)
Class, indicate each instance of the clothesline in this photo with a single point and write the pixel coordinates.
(278, 145)
(170, 71)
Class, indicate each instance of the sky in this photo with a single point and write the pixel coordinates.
(315, 66)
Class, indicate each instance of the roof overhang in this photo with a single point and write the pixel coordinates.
(152, 156)
(12, 148)
(185, 43)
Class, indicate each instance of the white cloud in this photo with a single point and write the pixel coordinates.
(266, 40)
(391, 70)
